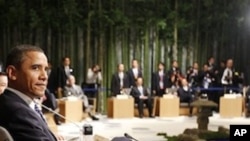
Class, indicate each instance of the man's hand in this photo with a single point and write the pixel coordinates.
(59, 137)
(143, 97)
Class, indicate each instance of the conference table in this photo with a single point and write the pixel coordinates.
(71, 109)
(120, 107)
(231, 105)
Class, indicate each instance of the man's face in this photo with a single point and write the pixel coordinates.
(211, 60)
(31, 78)
(66, 62)
(196, 66)
(184, 82)
(3, 83)
(71, 80)
(139, 82)
(161, 67)
(230, 63)
(205, 68)
(175, 64)
(121, 68)
(134, 64)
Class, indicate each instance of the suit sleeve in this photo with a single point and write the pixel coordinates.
(133, 93)
(24, 126)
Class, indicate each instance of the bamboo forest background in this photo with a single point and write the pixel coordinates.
(108, 32)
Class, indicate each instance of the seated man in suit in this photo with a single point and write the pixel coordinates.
(142, 96)
(185, 94)
(71, 89)
(26, 67)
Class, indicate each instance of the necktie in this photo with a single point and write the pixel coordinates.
(39, 112)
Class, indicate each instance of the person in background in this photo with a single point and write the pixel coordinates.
(185, 94)
(26, 68)
(193, 75)
(119, 81)
(211, 65)
(63, 73)
(227, 76)
(159, 80)
(71, 89)
(58, 77)
(174, 75)
(3, 82)
(134, 73)
(93, 81)
(142, 96)
(207, 80)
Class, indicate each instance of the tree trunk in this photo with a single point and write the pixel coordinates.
(175, 34)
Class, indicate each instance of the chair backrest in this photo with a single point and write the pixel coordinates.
(5, 135)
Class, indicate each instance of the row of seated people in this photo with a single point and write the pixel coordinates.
(142, 96)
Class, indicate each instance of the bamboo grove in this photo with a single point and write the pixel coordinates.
(108, 32)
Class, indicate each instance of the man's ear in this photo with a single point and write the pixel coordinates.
(11, 72)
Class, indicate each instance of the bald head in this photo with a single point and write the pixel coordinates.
(71, 80)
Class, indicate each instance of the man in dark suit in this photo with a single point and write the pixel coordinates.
(119, 80)
(142, 96)
(185, 94)
(59, 76)
(26, 69)
(193, 75)
(211, 65)
(134, 73)
(159, 80)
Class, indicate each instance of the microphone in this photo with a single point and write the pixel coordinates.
(61, 116)
(86, 130)
(129, 137)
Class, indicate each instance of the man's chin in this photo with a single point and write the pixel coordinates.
(39, 94)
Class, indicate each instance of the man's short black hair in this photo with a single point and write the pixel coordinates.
(161, 63)
(64, 58)
(16, 55)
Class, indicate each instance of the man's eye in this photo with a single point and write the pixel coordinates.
(35, 67)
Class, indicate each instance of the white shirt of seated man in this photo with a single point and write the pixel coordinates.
(139, 83)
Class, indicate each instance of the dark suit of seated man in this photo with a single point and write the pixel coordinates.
(141, 96)
(185, 94)
(26, 69)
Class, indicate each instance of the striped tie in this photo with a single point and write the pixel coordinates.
(39, 112)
